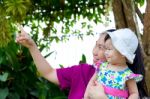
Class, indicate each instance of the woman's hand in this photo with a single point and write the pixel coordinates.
(24, 39)
(96, 91)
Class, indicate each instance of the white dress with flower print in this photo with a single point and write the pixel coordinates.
(114, 81)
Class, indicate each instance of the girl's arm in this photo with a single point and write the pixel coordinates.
(133, 90)
(42, 65)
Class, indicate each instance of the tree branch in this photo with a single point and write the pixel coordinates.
(139, 14)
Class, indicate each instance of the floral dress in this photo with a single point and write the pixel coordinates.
(114, 82)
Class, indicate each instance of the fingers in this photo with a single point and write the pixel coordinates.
(21, 42)
(21, 38)
(22, 35)
(21, 29)
(96, 82)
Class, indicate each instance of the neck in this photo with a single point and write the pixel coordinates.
(119, 64)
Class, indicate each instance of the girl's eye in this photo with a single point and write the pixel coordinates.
(108, 48)
(100, 47)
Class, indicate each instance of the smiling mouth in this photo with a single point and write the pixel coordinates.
(108, 57)
(95, 60)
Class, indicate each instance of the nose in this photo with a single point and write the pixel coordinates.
(95, 51)
(106, 53)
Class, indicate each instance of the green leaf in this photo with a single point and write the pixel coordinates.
(140, 2)
(13, 96)
(3, 77)
(61, 65)
(3, 93)
(61, 97)
(1, 60)
(83, 60)
(48, 54)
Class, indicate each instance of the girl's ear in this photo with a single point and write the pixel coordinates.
(123, 56)
(125, 59)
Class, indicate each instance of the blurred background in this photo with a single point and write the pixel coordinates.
(65, 32)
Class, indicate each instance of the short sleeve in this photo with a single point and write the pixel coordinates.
(64, 77)
(136, 77)
(71, 76)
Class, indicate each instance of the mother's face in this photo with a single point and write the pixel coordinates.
(99, 49)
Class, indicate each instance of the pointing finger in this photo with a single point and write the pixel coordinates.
(21, 28)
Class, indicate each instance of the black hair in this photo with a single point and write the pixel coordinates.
(107, 36)
(138, 68)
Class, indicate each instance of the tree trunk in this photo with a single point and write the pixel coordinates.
(123, 15)
(146, 34)
(127, 5)
(118, 14)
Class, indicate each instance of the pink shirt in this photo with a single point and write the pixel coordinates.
(75, 79)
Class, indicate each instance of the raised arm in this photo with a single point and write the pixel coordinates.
(42, 65)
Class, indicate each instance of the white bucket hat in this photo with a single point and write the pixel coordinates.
(126, 42)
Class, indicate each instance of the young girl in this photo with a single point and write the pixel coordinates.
(118, 80)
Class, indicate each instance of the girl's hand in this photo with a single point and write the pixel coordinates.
(96, 91)
(24, 39)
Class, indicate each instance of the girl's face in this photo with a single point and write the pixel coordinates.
(99, 49)
(112, 55)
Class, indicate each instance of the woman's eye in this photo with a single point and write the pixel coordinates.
(108, 48)
(100, 47)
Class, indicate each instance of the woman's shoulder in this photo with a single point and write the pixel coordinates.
(82, 71)
(79, 67)
(83, 66)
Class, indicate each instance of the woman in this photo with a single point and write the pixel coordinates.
(74, 78)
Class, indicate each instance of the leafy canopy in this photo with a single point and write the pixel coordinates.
(35, 13)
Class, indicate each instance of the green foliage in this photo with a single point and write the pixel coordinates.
(5, 34)
(3, 77)
(12, 11)
(18, 76)
(83, 59)
(3, 93)
(50, 12)
(36, 13)
(17, 9)
(140, 2)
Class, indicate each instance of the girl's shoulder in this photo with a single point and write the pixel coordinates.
(130, 75)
